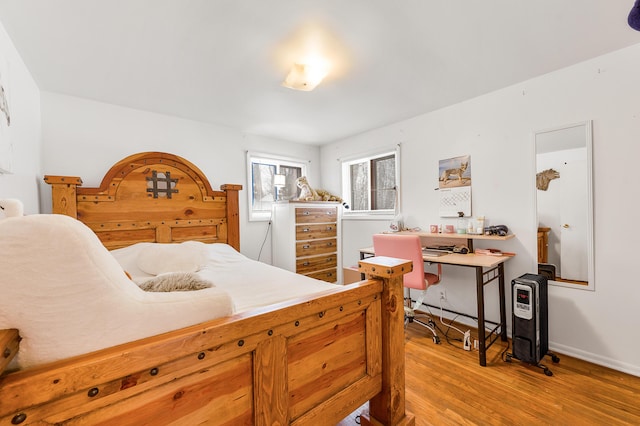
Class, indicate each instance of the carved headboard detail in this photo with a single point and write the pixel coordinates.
(151, 197)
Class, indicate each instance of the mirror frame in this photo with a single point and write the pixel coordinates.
(588, 126)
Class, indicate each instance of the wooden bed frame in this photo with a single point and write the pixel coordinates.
(313, 360)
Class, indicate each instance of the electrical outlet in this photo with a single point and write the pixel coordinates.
(443, 295)
(467, 340)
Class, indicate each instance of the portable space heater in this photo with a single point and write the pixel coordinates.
(530, 322)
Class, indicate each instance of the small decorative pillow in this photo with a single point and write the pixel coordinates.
(175, 281)
(10, 207)
(156, 259)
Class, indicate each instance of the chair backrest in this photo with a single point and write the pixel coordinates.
(403, 247)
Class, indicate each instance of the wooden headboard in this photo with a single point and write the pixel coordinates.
(151, 197)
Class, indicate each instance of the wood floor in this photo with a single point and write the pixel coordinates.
(445, 385)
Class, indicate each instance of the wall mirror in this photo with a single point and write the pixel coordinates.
(564, 205)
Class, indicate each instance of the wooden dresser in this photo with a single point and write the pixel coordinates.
(306, 239)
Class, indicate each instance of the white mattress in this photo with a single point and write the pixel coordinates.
(250, 283)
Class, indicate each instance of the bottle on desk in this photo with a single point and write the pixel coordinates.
(470, 228)
(480, 225)
(461, 227)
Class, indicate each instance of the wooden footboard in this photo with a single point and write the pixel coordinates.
(311, 361)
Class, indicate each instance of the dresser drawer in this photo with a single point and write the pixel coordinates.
(311, 232)
(314, 247)
(316, 215)
(330, 275)
(316, 263)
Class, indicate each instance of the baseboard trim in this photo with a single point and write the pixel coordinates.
(595, 359)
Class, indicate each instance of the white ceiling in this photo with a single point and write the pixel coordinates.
(222, 61)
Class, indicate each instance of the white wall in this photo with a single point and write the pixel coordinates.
(24, 131)
(496, 130)
(85, 138)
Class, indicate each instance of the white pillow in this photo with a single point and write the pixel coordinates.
(11, 207)
(156, 259)
(175, 281)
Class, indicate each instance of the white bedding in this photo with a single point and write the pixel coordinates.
(250, 283)
(68, 295)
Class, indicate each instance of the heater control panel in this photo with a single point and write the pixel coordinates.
(522, 302)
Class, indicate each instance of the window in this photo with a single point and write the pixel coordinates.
(271, 178)
(370, 183)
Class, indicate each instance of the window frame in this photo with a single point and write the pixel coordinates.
(372, 214)
(272, 160)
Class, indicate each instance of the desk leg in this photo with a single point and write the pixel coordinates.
(503, 310)
(481, 329)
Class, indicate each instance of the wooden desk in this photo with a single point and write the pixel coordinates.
(488, 269)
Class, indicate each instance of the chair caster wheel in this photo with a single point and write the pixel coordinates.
(548, 373)
(555, 359)
(508, 358)
(436, 340)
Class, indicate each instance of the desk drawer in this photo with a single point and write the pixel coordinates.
(316, 263)
(314, 247)
(316, 215)
(330, 275)
(312, 232)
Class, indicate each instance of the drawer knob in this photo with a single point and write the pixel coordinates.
(329, 244)
(306, 246)
(305, 264)
(329, 228)
(306, 213)
(305, 229)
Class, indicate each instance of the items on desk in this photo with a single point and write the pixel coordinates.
(396, 224)
(476, 226)
(462, 224)
(461, 249)
(493, 252)
(442, 248)
(446, 249)
(467, 226)
(434, 253)
(500, 230)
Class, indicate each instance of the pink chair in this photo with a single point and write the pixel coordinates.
(408, 247)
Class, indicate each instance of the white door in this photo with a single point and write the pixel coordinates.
(573, 218)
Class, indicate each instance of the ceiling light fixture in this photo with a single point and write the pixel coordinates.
(305, 76)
